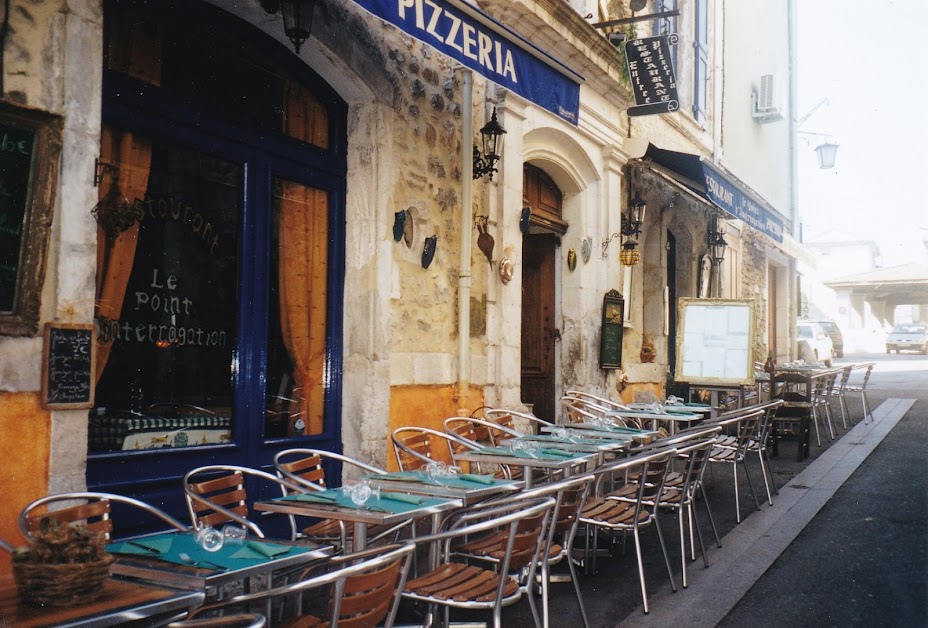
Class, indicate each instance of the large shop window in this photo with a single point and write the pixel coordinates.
(218, 223)
(165, 356)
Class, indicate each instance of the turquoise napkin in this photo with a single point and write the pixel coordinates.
(399, 476)
(402, 497)
(255, 549)
(472, 477)
(558, 452)
(144, 546)
(317, 497)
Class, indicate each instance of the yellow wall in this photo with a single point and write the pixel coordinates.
(425, 406)
(24, 452)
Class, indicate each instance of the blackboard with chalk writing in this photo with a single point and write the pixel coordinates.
(68, 366)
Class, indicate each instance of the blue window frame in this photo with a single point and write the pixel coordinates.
(259, 158)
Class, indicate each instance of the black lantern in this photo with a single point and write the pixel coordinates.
(634, 217)
(491, 133)
(298, 18)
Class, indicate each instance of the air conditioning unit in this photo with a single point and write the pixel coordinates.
(766, 104)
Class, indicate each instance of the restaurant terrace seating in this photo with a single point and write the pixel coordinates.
(614, 512)
(416, 447)
(861, 388)
(570, 495)
(362, 590)
(94, 513)
(745, 423)
(452, 583)
(216, 495)
(307, 468)
(508, 418)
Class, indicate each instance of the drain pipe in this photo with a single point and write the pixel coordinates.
(467, 202)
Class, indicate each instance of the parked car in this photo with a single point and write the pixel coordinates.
(908, 337)
(834, 332)
(819, 344)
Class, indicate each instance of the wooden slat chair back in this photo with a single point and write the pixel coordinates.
(416, 447)
(227, 491)
(95, 513)
(459, 584)
(216, 495)
(306, 467)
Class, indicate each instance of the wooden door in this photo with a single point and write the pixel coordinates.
(538, 326)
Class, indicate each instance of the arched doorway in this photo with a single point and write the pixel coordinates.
(219, 308)
(539, 327)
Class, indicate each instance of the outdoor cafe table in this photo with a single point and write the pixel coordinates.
(157, 558)
(575, 442)
(389, 509)
(467, 487)
(605, 432)
(673, 417)
(122, 601)
(561, 461)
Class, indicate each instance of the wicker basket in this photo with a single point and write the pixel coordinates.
(61, 584)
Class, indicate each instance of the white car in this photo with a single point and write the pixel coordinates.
(908, 337)
(820, 348)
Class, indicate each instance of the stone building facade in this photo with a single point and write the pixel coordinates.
(396, 345)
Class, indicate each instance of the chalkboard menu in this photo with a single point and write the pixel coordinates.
(610, 345)
(68, 366)
(650, 69)
(30, 149)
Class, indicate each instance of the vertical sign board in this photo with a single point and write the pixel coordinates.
(650, 69)
(68, 366)
(610, 344)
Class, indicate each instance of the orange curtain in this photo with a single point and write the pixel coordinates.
(133, 46)
(303, 291)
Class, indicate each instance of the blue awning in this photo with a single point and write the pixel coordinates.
(476, 40)
(720, 189)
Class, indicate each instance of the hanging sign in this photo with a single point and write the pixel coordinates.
(650, 69)
(476, 40)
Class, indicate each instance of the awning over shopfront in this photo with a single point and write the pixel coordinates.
(708, 181)
(476, 40)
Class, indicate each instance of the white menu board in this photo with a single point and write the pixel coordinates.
(715, 343)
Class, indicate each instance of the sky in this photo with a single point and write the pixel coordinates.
(868, 59)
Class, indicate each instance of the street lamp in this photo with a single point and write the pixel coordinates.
(717, 245)
(826, 155)
(298, 18)
(485, 163)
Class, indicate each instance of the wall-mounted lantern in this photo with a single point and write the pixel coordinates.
(485, 162)
(298, 18)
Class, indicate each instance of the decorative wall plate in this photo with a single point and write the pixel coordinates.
(506, 269)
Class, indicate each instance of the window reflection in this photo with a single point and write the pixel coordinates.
(167, 301)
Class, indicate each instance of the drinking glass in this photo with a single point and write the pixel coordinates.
(361, 492)
(232, 533)
(209, 538)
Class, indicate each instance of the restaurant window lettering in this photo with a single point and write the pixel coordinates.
(167, 352)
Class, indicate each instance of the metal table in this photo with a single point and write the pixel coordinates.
(375, 511)
(505, 456)
(207, 577)
(418, 483)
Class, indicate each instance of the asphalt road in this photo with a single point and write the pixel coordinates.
(863, 560)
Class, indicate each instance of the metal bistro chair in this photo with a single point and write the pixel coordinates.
(759, 441)
(839, 392)
(306, 467)
(238, 620)
(746, 423)
(861, 388)
(362, 590)
(570, 495)
(508, 418)
(416, 447)
(455, 584)
(618, 514)
(602, 401)
(476, 433)
(94, 513)
(216, 495)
